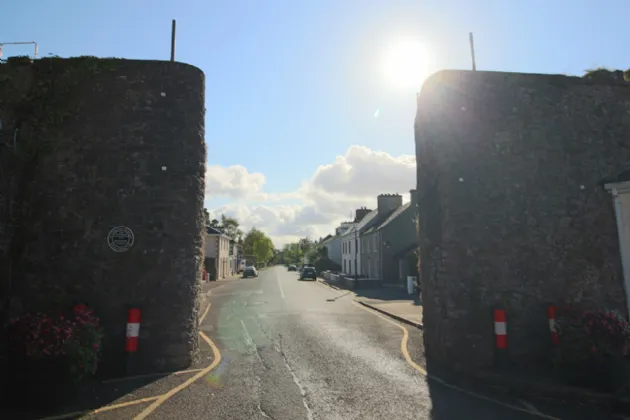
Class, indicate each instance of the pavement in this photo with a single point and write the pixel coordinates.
(277, 348)
(394, 302)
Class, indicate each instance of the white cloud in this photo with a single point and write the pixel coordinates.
(234, 182)
(362, 172)
(327, 198)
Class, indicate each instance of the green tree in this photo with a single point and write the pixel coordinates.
(259, 245)
(231, 227)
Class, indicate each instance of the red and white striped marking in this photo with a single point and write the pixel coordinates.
(500, 329)
(133, 330)
(551, 313)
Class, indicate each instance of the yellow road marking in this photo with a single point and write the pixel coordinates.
(405, 352)
(102, 409)
(150, 375)
(204, 313)
(163, 398)
(403, 342)
(201, 372)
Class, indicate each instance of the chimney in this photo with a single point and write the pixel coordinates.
(388, 202)
(360, 214)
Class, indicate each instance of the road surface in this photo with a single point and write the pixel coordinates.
(292, 350)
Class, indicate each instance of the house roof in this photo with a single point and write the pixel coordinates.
(326, 239)
(385, 219)
(213, 231)
(622, 177)
(365, 222)
(400, 210)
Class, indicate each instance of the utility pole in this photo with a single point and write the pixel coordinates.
(472, 51)
(173, 28)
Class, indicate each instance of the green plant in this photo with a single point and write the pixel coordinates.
(84, 345)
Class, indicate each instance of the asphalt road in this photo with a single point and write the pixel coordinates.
(293, 350)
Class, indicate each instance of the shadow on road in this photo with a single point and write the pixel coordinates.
(89, 396)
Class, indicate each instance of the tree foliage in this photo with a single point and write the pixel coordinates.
(605, 74)
(259, 245)
(228, 225)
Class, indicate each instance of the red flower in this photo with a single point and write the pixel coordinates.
(80, 309)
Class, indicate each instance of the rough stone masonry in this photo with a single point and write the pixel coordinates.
(512, 210)
(89, 145)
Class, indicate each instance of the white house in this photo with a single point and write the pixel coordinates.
(350, 243)
(349, 252)
(217, 250)
(333, 244)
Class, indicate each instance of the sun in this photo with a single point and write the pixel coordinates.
(406, 63)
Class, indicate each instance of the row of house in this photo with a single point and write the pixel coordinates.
(378, 244)
(223, 257)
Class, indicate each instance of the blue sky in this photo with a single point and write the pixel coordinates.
(290, 85)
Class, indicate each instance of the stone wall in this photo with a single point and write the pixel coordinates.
(512, 211)
(100, 144)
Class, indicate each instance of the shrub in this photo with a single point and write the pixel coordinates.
(592, 347)
(73, 339)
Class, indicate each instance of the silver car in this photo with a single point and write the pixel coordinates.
(250, 272)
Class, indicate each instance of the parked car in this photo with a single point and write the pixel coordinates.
(250, 272)
(308, 273)
(292, 268)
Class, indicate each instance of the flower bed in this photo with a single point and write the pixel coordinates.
(52, 352)
(593, 349)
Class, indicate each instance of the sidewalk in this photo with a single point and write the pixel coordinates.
(393, 302)
(207, 286)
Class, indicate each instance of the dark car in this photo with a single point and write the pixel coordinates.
(308, 273)
(250, 272)
(292, 268)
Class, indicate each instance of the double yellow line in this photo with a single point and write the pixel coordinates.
(159, 399)
(530, 409)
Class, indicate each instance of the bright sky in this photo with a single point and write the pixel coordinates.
(291, 85)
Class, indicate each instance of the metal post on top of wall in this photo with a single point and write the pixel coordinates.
(173, 28)
(472, 51)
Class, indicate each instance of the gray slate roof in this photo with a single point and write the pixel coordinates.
(213, 231)
(365, 222)
(390, 217)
